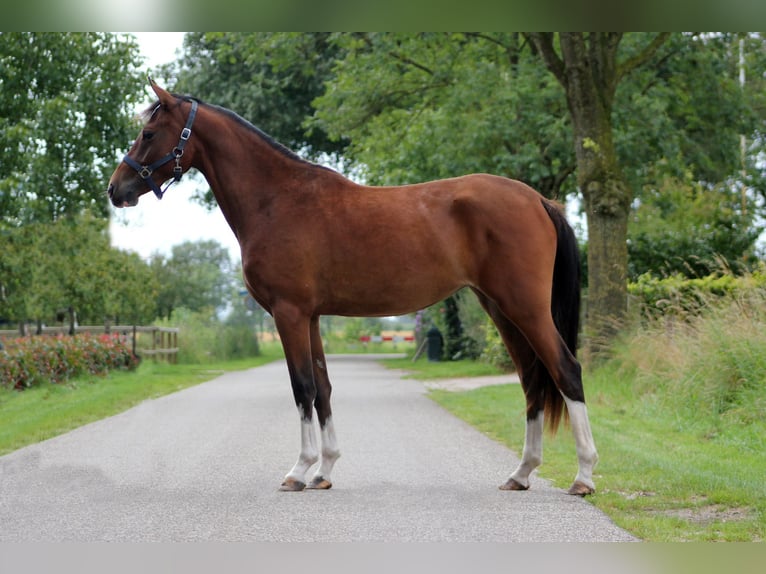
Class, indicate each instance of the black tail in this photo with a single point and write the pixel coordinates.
(565, 306)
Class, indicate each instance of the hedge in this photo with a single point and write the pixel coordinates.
(679, 296)
(29, 361)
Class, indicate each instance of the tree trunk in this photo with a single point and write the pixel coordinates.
(590, 88)
(607, 265)
(588, 71)
(607, 207)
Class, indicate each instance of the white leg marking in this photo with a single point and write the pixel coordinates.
(330, 451)
(532, 455)
(587, 456)
(308, 455)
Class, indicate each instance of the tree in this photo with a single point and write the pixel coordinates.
(66, 107)
(589, 69)
(689, 229)
(269, 78)
(417, 107)
(684, 116)
(681, 113)
(196, 276)
(46, 268)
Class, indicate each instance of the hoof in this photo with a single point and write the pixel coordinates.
(512, 484)
(292, 485)
(580, 489)
(319, 483)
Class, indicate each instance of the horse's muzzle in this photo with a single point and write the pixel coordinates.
(129, 199)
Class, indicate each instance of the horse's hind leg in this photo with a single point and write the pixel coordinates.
(529, 369)
(560, 367)
(330, 452)
(565, 372)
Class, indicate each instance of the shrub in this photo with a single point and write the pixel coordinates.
(709, 367)
(494, 351)
(31, 361)
(679, 297)
(203, 338)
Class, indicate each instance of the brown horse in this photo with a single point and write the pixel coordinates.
(311, 245)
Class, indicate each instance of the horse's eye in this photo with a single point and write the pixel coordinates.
(148, 135)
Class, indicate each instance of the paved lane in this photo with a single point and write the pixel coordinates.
(205, 464)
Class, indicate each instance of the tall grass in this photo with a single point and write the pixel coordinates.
(708, 369)
(680, 414)
(203, 338)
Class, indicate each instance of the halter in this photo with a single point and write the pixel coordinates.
(145, 171)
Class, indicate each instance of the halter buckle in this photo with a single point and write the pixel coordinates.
(145, 172)
(185, 133)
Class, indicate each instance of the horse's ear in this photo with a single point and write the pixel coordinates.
(165, 97)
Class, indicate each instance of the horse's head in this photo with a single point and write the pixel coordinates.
(159, 153)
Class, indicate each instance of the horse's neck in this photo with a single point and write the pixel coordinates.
(243, 172)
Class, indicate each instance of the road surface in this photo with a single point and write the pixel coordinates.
(206, 463)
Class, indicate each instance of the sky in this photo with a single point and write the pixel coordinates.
(153, 225)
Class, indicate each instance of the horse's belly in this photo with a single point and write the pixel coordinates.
(394, 290)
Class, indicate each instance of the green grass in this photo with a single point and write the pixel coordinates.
(426, 370)
(40, 413)
(679, 419)
(654, 479)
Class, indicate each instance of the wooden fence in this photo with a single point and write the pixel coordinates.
(159, 343)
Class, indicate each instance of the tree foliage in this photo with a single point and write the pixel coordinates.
(686, 228)
(46, 268)
(196, 276)
(66, 105)
(428, 106)
(269, 78)
(683, 116)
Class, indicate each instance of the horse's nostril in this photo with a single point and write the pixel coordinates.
(110, 190)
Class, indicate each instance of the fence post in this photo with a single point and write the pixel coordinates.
(72, 320)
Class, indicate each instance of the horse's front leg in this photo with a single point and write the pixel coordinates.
(330, 451)
(293, 327)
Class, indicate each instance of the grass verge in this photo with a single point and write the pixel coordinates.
(654, 479)
(426, 370)
(679, 419)
(49, 410)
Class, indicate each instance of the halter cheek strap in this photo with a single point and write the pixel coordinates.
(145, 171)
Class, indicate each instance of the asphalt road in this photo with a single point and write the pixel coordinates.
(206, 464)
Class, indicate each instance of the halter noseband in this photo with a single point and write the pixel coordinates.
(145, 171)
